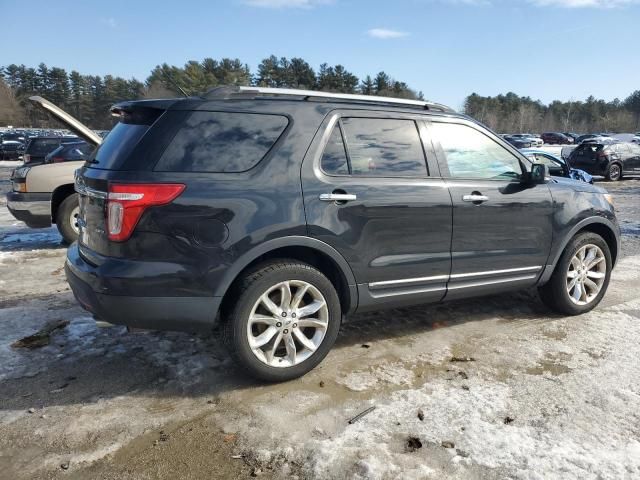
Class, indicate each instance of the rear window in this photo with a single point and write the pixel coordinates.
(117, 145)
(588, 148)
(221, 142)
(122, 139)
(42, 146)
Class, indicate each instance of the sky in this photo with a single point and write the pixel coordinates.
(546, 49)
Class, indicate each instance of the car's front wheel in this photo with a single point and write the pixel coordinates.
(614, 173)
(581, 276)
(285, 319)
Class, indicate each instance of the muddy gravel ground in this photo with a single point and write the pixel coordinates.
(495, 387)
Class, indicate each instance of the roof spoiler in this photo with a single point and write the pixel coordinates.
(76, 126)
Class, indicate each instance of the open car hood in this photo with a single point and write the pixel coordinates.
(76, 126)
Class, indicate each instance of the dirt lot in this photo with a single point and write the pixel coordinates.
(491, 388)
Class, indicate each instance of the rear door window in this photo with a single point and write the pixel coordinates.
(221, 142)
(382, 147)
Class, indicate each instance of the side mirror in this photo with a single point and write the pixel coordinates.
(539, 171)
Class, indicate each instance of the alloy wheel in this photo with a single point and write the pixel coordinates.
(586, 274)
(614, 172)
(288, 323)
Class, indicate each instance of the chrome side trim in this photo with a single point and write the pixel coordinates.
(496, 272)
(404, 281)
(409, 291)
(492, 282)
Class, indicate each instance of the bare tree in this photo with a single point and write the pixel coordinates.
(11, 113)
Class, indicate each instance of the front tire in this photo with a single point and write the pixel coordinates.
(614, 172)
(581, 276)
(285, 319)
(67, 218)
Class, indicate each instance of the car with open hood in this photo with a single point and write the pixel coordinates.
(43, 194)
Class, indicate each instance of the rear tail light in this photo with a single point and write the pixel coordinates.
(57, 159)
(126, 202)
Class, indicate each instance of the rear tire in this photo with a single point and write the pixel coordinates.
(264, 329)
(67, 218)
(614, 172)
(581, 276)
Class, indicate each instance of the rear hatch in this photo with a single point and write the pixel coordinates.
(117, 161)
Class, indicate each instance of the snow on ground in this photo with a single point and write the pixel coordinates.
(556, 398)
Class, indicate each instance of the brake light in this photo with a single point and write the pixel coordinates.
(602, 155)
(126, 202)
(57, 159)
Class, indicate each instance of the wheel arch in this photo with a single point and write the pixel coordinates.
(305, 249)
(57, 197)
(601, 226)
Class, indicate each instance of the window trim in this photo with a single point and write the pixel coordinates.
(442, 157)
(336, 121)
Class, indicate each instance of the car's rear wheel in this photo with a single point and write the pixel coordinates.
(284, 321)
(581, 276)
(67, 218)
(614, 172)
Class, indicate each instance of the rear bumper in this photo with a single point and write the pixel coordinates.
(88, 283)
(34, 209)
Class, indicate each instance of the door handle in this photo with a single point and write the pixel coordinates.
(337, 197)
(475, 198)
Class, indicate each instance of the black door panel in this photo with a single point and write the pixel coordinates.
(394, 232)
(502, 228)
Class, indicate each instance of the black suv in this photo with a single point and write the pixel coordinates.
(612, 160)
(277, 213)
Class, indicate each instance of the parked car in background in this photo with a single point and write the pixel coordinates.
(572, 135)
(70, 152)
(39, 147)
(555, 138)
(636, 139)
(612, 160)
(518, 142)
(12, 135)
(558, 167)
(534, 140)
(11, 149)
(43, 194)
(170, 238)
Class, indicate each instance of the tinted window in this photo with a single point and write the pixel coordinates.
(118, 145)
(471, 154)
(221, 142)
(42, 146)
(334, 157)
(384, 147)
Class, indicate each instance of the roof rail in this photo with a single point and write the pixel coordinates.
(310, 94)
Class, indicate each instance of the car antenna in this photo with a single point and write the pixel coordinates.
(175, 84)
